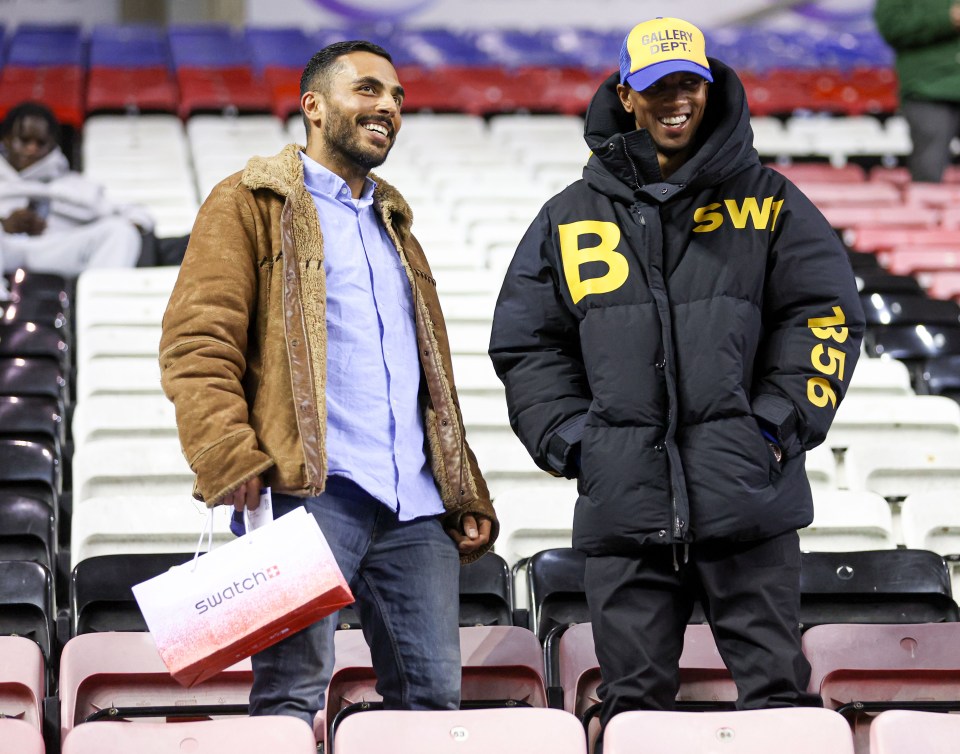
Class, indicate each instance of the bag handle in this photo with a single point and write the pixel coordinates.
(208, 532)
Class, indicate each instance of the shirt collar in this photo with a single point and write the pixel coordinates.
(320, 180)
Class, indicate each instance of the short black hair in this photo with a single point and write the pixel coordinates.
(30, 110)
(322, 63)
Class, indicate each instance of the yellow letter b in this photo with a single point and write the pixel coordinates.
(574, 256)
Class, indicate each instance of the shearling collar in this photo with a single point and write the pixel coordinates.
(283, 174)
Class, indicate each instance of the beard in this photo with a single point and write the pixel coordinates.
(340, 133)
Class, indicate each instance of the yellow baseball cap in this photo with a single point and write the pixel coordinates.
(654, 49)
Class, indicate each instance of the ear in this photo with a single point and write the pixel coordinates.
(623, 92)
(312, 105)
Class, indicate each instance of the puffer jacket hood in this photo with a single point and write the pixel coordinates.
(625, 158)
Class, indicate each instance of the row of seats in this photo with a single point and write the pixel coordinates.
(189, 69)
(858, 670)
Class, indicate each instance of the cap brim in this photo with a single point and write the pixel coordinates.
(640, 80)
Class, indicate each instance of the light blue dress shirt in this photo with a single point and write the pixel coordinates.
(374, 428)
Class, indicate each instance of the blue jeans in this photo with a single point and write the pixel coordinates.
(405, 577)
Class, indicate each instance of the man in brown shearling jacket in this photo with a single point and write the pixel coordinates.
(316, 362)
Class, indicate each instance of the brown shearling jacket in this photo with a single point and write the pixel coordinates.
(244, 345)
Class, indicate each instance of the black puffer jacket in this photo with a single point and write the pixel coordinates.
(648, 331)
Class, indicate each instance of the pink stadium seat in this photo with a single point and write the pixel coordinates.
(841, 216)
(703, 675)
(943, 284)
(907, 732)
(912, 259)
(21, 681)
(791, 730)
(898, 175)
(834, 194)
(499, 663)
(950, 219)
(871, 238)
(932, 194)
(519, 730)
(18, 737)
(245, 735)
(822, 172)
(123, 671)
(859, 669)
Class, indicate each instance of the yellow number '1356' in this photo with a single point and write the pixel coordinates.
(826, 359)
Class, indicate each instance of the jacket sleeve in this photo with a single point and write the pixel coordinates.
(535, 348)
(203, 346)
(914, 24)
(813, 326)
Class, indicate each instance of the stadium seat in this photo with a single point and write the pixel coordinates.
(36, 418)
(931, 521)
(472, 731)
(244, 735)
(884, 309)
(501, 666)
(533, 516)
(30, 468)
(844, 520)
(821, 468)
(100, 590)
(860, 670)
(875, 586)
(911, 260)
(705, 682)
(795, 730)
(18, 737)
(131, 90)
(907, 731)
(33, 377)
(130, 468)
(870, 238)
(33, 340)
(106, 417)
(120, 676)
(22, 682)
(879, 377)
(900, 470)
(848, 216)
(557, 594)
(940, 375)
(144, 524)
(897, 420)
(26, 604)
(27, 529)
(912, 343)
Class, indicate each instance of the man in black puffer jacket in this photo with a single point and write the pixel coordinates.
(675, 330)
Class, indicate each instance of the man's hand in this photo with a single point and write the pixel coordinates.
(246, 496)
(473, 536)
(24, 221)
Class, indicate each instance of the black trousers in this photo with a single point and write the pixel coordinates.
(750, 592)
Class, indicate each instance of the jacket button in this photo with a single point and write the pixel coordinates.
(662, 533)
(663, 191)
(658, 447)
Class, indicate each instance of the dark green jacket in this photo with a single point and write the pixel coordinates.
(927, 45)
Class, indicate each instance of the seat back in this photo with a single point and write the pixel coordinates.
(100, 590)
(556, 588)
(243, 735)
(796, 730)
(906, 732)
(875, 586)
(111, 670)
(18, 737)
(26, 603)
(22, 681)
(27, 529)
(474, 731)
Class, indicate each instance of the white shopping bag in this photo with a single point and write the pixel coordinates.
(231, 602)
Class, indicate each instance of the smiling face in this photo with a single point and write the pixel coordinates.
(30, 140)
(671, 109)
(355, 117)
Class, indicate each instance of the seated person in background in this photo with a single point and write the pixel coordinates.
(54, 219)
